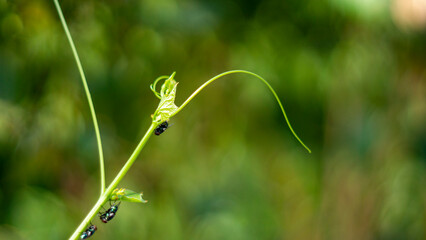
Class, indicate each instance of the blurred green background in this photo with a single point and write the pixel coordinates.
(351, 75)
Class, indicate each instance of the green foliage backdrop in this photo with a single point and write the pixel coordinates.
(351, 75)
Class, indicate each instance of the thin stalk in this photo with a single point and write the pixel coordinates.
(250, 73)
(89, 97)
(105, 196)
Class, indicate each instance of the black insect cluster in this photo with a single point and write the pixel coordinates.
(110, 213)
(105, 217)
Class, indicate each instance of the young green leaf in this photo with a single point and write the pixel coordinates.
(127, 195)
(166, 108)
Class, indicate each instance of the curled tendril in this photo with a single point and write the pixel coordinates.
(154, 84)
(167, 95)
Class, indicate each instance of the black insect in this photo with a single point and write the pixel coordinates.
(110, 213)
(89, 232)
(161, 128)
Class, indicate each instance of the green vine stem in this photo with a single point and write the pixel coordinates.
(164, 112)
(245, 72)
(89, 97)
(106, 195)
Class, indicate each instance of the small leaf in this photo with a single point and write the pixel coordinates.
(166, 107)
(127, 195)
